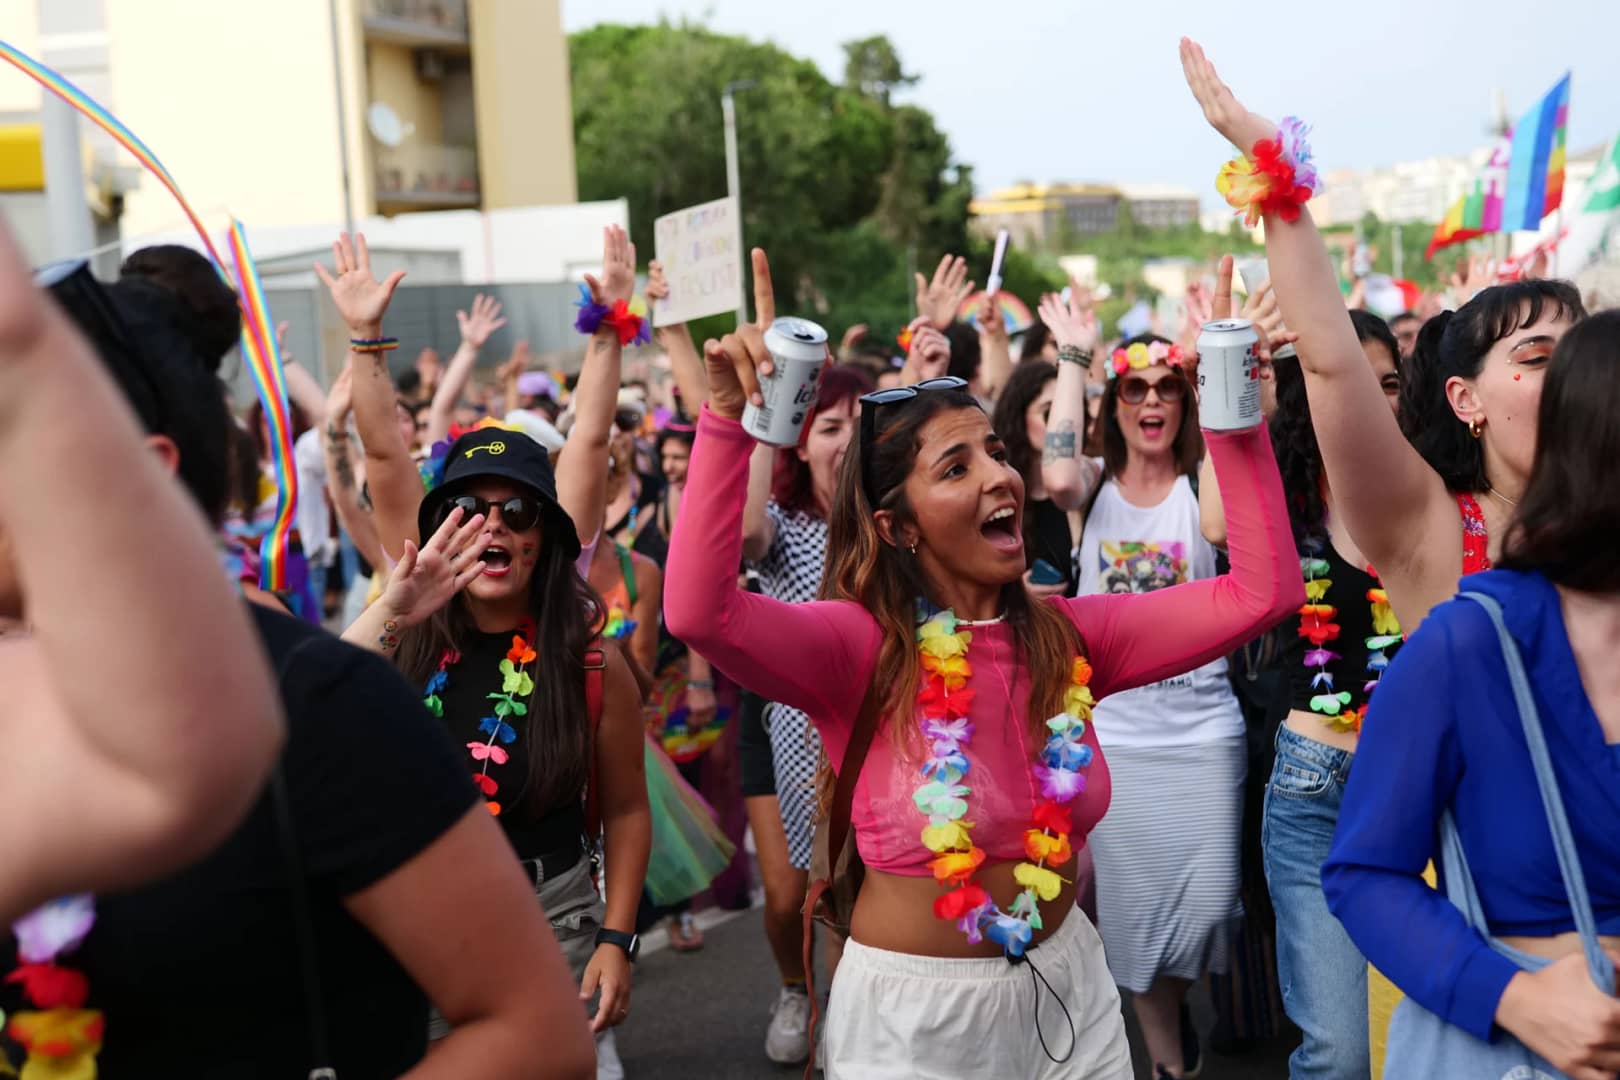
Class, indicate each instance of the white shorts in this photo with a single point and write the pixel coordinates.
(895, 1015)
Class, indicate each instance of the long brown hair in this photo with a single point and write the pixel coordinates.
(557, 731)
(888, 582)
(1188, 447)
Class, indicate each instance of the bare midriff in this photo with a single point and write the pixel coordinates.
(1310, 725)
(1558, 946)
(896, 912)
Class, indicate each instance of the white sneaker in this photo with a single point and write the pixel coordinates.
(787, 1040)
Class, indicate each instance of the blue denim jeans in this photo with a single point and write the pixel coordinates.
(1323, 975)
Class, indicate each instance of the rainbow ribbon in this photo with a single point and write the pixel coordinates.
(262, 353)
(259, 346)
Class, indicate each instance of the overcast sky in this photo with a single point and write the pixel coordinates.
(1045, 90)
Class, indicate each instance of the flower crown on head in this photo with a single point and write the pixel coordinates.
(1145, 354)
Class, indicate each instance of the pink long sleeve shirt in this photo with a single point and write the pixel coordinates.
(819, 657)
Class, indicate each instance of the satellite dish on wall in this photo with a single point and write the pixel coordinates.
(386, 126)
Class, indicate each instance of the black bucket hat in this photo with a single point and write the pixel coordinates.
(510, 455)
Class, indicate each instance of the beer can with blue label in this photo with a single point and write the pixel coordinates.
(799, 349)
(1228, 375)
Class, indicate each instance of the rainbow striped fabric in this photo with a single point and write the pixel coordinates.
(260, 350)
(1522, 183)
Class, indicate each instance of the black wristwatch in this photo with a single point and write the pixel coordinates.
(630, 943)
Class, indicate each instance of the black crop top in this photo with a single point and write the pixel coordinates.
(1343, 639)
(468, 714)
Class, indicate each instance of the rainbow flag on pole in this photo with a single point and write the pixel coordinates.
(1522, 183)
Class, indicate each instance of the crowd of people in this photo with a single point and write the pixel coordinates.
(1030, 680)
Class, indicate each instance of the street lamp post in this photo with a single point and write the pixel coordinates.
(728, 114)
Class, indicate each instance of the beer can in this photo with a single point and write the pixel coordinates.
(1228, 375)
(799, 349)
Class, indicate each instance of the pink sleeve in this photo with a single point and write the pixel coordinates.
(1133, 640)
(816, 657)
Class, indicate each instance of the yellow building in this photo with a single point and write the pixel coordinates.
(1043, 216)
(447, 104)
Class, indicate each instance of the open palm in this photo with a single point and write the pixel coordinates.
(360, 298)
(423, 581)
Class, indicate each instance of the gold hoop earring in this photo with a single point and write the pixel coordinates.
(1475, 427)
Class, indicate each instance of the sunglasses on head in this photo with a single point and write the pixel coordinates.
(892, 396)
(1133, 389)
(519, 513)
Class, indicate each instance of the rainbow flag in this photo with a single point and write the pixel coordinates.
(1522, 183)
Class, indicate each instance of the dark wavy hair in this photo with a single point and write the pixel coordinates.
(1029, 378)
(1569, 514)
(887, 580)
(1454, 345)
(1293, 435)
(1188, 446)
(791, 484)
(568, 615)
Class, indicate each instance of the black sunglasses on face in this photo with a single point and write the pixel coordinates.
(519, 513)
(893, 395)
(1133, 390)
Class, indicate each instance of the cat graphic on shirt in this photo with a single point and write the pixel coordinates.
(1137, 566)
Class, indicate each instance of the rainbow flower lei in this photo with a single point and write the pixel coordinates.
(1275, 177)
(516, 684)
(944, 702)
(1317, 626)
(62, 1038)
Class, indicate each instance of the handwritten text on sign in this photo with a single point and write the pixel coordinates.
(698, 247)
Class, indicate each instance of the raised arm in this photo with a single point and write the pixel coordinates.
(816, 657)
(1070, 477)
(582, 467)
(342, 484)
(122, 588)
(691, 381)
(1138, 639)
(391, 475)
(1382, 488)
(475, 330)
(995, 357)
(758, 528)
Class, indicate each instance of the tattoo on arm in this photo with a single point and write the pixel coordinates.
(389, 638)
(1059, 443)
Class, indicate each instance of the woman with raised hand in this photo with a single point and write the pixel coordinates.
(987, 774)
(561, 745)
(1510, 969)
(790, 497)
(1428, 511)
(120, 577)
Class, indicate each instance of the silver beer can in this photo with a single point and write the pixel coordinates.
(1228, 375)
(799, 349)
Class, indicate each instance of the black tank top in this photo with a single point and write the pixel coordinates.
(1342, 640)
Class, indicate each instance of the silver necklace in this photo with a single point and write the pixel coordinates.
(982, 622)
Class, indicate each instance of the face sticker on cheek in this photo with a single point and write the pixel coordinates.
(530, 553)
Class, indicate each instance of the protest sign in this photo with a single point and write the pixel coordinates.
(702, 262)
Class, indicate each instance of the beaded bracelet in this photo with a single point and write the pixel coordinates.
(371, 345)
(1074, 354)
(631, 328)
(1276, 177)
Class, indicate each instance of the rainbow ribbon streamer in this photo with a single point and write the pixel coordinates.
(259, 346)
(262, 354)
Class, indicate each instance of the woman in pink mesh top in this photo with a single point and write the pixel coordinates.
(985, 772)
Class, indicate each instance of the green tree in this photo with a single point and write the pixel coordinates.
(839, 184)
